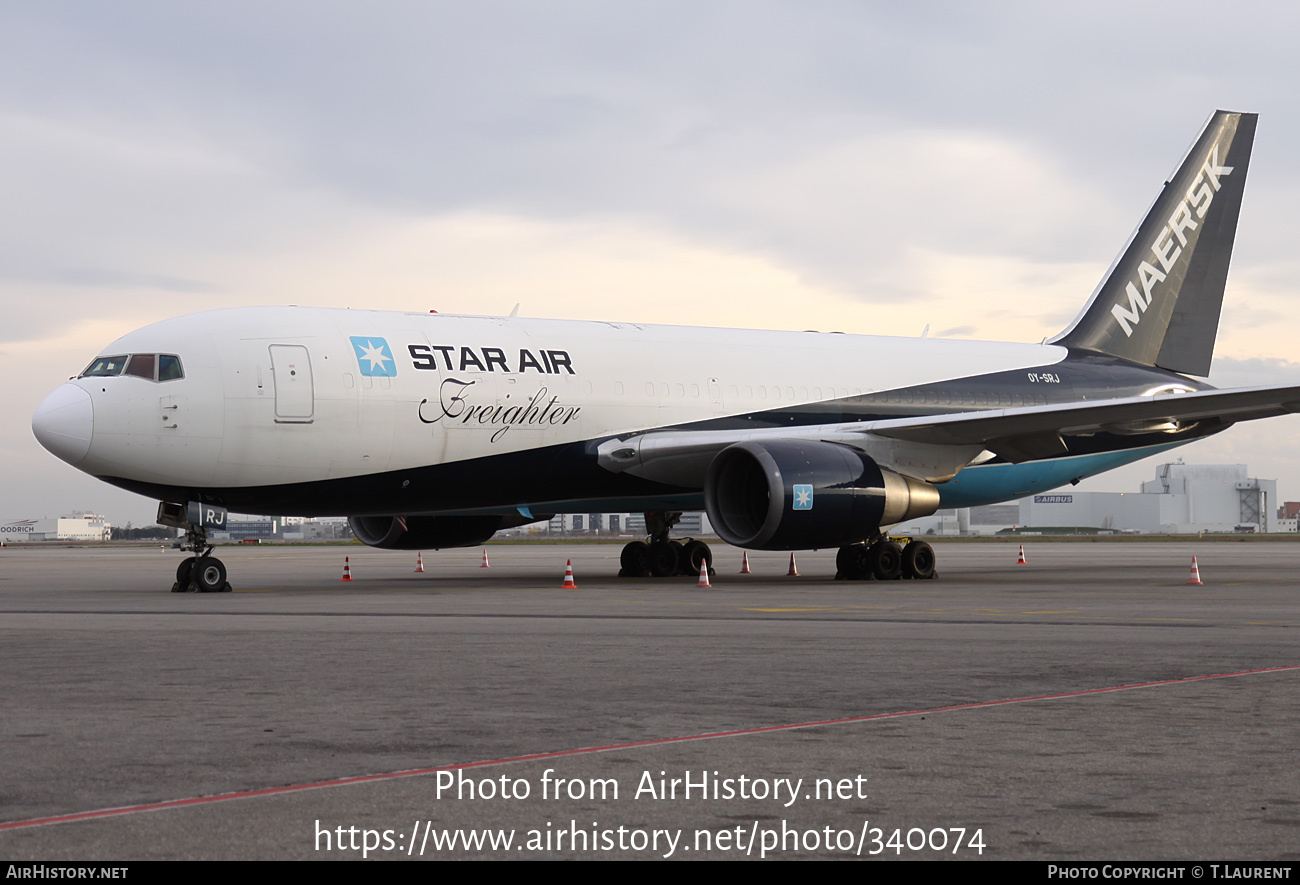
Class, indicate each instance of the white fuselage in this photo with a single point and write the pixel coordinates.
(276, 395)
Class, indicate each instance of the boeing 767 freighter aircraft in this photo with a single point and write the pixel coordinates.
(434, 431)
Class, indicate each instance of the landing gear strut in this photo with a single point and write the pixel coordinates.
(884, 560)
(661, 558)
(202, 572)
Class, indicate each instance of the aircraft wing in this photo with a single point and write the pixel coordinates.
(1041, 427)
(948, 442)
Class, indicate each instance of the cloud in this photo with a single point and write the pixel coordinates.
(1253, 372)
(854, 166)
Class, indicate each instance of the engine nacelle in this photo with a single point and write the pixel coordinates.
(426, 532)
(802, 494)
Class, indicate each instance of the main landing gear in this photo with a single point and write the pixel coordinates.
(884, 559)
(660, 557)
(202, 572)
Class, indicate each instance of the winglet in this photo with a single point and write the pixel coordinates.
(1159, 304)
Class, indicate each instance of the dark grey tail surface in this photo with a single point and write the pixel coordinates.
(1160, 303)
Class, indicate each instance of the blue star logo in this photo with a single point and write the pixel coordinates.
(374, 357)
(803, 497)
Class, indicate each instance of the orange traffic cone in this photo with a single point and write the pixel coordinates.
(794, 572)
(1022, 560)
(347, 571)
(485, 562)
(744, 563)
(1195, 579)
(704, 574)
(419, 562)
(568, 576)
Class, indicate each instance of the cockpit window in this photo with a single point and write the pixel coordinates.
(169, 367)
(150, 366)
(106, 365)
(141, 365)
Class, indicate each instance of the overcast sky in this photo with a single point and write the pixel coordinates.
(866, 167)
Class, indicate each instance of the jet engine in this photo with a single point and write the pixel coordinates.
(801, 494)
(427, 532)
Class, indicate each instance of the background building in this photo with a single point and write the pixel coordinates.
(1182, 499)
(694, 524)
(78, 525)
(241, 527)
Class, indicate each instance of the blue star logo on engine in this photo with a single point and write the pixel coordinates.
(803, 497)
(374, 357)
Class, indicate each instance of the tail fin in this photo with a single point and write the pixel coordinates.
(1159, 304)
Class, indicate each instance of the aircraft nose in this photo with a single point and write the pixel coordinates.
(64, 422)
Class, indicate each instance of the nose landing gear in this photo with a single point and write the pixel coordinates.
(202, 572)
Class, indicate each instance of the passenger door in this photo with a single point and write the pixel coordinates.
(291, 378)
